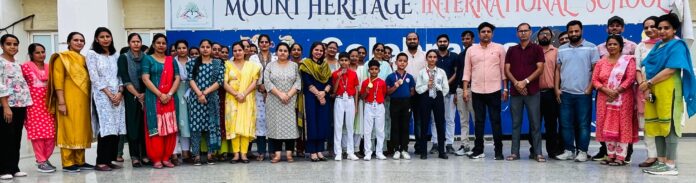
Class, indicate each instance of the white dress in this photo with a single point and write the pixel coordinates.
(103, 73)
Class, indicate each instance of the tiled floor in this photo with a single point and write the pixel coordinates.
(456, 169)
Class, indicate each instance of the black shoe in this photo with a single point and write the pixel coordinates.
(417, 152)
(433, 150)
(424, 156)
(443, 156)
(72, 169)
(499, 157)
(449, 149)
(86, 167)
(601, 155)
(245, 161)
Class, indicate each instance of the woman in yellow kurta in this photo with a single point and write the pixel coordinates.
(240, 109)
(69, 100)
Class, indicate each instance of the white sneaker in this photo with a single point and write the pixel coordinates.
(581, 157)
(397, 155)
(20, 174)
(567, 155)
(381, 156)
(352, 157)
(405, 155)
(337, 158)
(368, 156)
(6, 177)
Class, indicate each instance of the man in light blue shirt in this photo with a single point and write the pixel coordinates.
(576, 60)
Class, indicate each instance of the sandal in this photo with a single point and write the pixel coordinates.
(618, 163)
(136, 163)
(606, 161)
(540, 159)
(512, 157)
(276, 159)
(646, 163)
(261, 157)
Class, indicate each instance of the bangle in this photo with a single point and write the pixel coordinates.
(505, 90)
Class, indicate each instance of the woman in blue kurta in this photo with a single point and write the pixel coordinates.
(316, 79)
(205, 77)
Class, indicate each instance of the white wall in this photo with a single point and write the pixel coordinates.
(86, 17)
(11, 12)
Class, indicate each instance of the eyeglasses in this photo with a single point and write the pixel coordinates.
(379, 50)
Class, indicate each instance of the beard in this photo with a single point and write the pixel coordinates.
(575, 39)
(544, 42)
(442, 47)
(412, 46)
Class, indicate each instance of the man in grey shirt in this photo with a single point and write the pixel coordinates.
(576, 60)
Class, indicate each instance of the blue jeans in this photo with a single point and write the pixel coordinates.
(575, 119)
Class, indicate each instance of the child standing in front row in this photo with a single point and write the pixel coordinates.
(373, 91)
(346, 83)
(430, 84)
(400, 87)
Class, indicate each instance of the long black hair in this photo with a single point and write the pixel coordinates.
(152, 46)
(199, 60)
(95, 43)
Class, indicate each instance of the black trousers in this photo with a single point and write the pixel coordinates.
(550, 111)
(415, 100)
(277, 144)
(400, 112)
(10, 140)
(437, 107)
(107, 147)
(491, 103)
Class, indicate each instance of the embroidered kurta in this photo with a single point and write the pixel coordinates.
(40, 124)
(240, 118)
(282, 78)
(155, 69)
(103, 73)
(615, 124)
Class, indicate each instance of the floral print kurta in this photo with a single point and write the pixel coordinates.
(13, 84)
(103, 73)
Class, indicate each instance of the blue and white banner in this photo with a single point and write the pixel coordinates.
(354, 23)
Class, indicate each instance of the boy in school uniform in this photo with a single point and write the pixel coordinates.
(432, 84)
(372, 91)
(400, 87)
(345, 84)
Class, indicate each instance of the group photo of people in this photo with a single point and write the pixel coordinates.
(175, 104)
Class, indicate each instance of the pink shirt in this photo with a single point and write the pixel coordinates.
(484, 68)
(546, 80)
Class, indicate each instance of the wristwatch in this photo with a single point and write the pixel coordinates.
(650, 83)
(526, 80)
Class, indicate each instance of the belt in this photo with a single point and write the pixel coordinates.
(341, 97)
